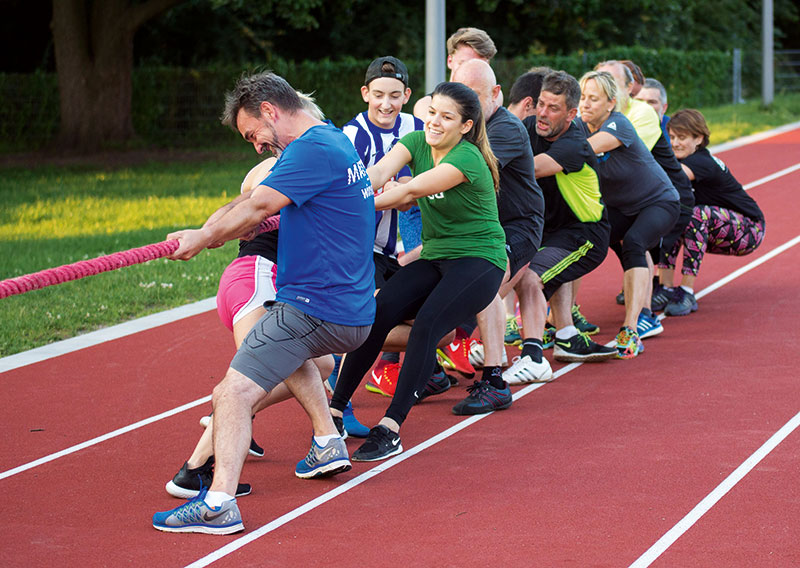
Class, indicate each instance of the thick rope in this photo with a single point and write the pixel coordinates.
(68, 272)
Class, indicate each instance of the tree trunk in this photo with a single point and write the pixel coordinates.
(93, 42)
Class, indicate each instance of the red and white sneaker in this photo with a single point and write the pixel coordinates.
(456, 356)
(384, 379)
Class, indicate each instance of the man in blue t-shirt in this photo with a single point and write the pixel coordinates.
(324, 303)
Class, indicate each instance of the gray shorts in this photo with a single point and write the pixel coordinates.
(285, 337)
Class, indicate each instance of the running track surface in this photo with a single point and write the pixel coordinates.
(590, 470)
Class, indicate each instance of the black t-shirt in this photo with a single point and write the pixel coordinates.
(520, 197)
(572, 197)
(630, 178)
(715, 185)
(665, 157)
(264, 244)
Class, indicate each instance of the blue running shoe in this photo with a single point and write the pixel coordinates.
(352, 426)
(483, 398)
(648, 324)
(324, 461)
(330, 382)
(197, 516)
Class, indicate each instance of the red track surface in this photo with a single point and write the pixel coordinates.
(589, 470)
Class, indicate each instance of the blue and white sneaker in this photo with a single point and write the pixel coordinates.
(330, 382)
(324, 461)
(648, 325)
(197, 516)
(351, 424)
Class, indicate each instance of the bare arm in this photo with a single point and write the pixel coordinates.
(603, 142)
(439, 179)
(389, 165)
(687, 170)
(238, 220)
(545, 166)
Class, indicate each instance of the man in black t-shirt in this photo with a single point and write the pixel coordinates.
(520, 207)
(576, 231)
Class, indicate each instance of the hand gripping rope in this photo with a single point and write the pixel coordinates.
(68, 272)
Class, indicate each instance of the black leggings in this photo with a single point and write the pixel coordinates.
(438, 295)
(632, 236)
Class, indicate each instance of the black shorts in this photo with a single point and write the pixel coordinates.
(570, 253)
(385, 268)
(522, 242)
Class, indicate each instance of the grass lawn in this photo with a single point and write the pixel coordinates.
(54, 215)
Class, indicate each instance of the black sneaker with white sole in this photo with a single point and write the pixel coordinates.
(579, 348)
(187, 483)
(381, 443)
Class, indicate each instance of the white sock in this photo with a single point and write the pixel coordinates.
(567, 332)
(322, 441)
(687, 289)
(216, 498)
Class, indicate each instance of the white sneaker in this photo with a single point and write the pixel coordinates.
(477, 357)
(525, 370)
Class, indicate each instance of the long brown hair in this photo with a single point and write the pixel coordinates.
(469, 107)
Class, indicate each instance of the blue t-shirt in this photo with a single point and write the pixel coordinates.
(372, 143)
(326, 235)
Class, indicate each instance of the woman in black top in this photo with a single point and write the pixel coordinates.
(726, 220)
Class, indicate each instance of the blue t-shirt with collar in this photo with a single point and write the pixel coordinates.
(327, 231)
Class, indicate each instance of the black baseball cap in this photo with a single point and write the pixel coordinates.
(375, 70)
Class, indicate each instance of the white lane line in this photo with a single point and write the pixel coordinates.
(358, 480)
(115, 332)
(736, 273)
(771, 177)
(106, 334)
(104, 437)
(718, 493)
(325, 497)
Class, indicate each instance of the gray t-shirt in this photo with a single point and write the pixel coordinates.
(630, 178)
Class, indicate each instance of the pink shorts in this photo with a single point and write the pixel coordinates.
(245, 285)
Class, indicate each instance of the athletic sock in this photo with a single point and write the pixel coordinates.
(390, 357)
(216, 498)
(688, 289)
(494, 376)
(532, 348)
(322, 441)
(567, 332)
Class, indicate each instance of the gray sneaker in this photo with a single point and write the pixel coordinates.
(197, 516)
(324, 461)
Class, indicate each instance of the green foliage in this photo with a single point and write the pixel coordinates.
(179, 107)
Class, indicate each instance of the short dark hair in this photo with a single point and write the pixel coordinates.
(251, 90)
(528, 85)
(562, 83)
